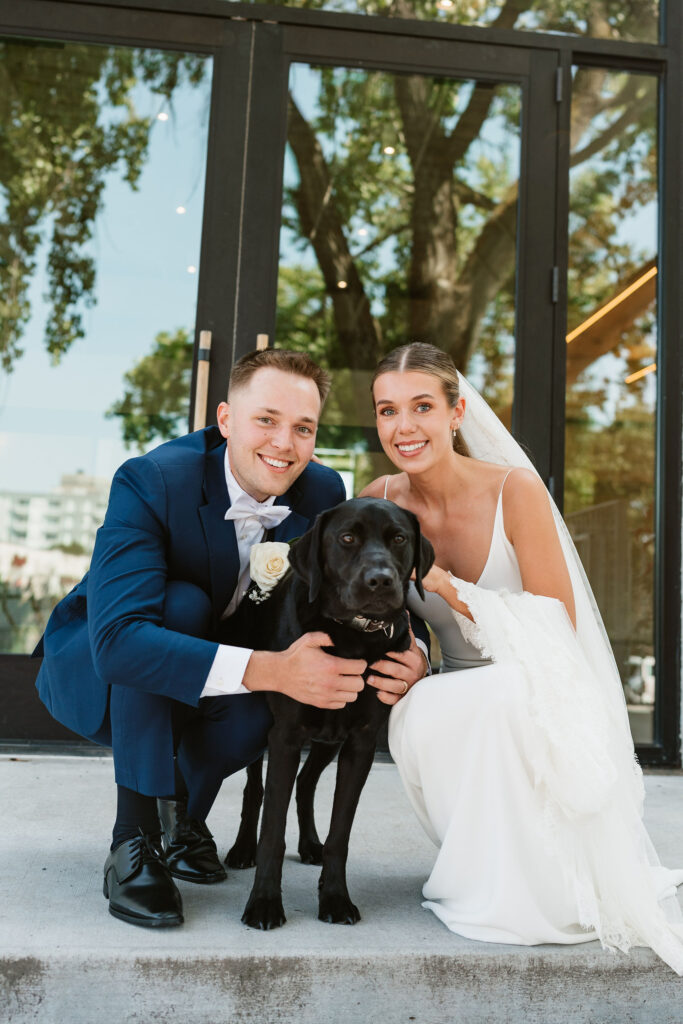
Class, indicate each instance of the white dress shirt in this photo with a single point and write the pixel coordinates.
(228, 668)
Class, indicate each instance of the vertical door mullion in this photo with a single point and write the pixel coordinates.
(217, 299)
(256, 301)
(667, 572)
(534, 364)
(559, 342)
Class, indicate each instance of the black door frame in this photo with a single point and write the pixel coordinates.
(252, 47)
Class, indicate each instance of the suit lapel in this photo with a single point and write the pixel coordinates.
(221, 540)
(294, 525)
(224, 560)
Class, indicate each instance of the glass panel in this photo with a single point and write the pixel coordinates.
(102, 162)
(612, 362)
(399, 224)
(605, 19)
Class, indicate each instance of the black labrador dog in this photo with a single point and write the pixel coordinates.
(349, 578)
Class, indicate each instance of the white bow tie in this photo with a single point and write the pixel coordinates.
(247, 507)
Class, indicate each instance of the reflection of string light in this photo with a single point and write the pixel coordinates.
(612, 304)
(163, 116)
(342, 284)
(363, 232)
(180, 209)
(640, 373)
(389, 150)
(191, 269)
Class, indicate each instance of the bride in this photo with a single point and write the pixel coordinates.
(517, 757)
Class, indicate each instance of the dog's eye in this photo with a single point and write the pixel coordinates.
(399, 538)
(347, 538)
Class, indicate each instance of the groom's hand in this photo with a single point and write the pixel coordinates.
(399, 672)
(307, 673)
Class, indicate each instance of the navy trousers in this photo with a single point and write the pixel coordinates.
(210, 742)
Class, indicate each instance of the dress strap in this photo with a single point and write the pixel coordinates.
(386, 485)
(500, 495)
(499, 521)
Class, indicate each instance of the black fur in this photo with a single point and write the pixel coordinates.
(355, 560)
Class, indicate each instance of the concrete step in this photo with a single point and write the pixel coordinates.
(64, 959)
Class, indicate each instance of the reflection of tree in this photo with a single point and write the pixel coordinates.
(437, 260)
(610, 458)
(449, 209)
(155, 401)
(67, 118)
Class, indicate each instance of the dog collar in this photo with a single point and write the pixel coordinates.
(370, 625)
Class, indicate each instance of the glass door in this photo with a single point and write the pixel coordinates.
(407, 203)
(103, 163)
(399, 222)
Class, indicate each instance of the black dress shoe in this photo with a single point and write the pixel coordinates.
(189, 849)
(139, 887)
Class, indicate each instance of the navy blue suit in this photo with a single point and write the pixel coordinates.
(116, 657)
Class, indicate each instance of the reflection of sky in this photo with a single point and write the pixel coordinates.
(52, 418)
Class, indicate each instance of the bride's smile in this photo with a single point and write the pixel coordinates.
(414, 420)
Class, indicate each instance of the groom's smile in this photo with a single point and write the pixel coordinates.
(270, 425)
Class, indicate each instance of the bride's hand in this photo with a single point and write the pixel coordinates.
(440, 582)
(437, 580)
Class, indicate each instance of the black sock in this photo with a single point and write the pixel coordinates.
(134, 812)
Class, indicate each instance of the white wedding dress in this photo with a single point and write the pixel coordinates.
(518, 762)
(458, 741)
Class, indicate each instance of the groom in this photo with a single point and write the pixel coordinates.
(129, 655)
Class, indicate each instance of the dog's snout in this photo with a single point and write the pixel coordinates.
(378, 577)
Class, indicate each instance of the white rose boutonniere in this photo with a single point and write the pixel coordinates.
(268, 562)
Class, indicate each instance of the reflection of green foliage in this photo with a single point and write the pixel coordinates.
(624, 19)
(74, 548)
(67, 118)
(154, 405)
(615, 462)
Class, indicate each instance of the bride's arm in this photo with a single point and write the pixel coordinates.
(440, 582)
(530, 527)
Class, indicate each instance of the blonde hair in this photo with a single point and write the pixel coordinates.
(425, 358)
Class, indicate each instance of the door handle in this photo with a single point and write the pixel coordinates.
(201, 391)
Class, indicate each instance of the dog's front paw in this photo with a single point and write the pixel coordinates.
(264, 912)
(335, 908)
(310, 852)
(241, 855)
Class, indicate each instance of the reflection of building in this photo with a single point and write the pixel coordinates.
(31, 582)
(35, 568)
(67, 516)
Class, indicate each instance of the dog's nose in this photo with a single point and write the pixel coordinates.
(378, 577)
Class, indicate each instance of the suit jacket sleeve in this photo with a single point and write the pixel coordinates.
(419, 628)
(126, 593)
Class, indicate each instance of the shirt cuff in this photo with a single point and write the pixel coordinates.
(423, 647)
(227, 672)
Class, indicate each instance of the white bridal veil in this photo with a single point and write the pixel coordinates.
(578, 741)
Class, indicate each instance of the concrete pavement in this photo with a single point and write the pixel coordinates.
(64, 959)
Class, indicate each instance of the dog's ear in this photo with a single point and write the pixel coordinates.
(305, 557)
(423, 556)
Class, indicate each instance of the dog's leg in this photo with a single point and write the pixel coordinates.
(353, 767)
(264, 907)
(319, 756)
(243, 852)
